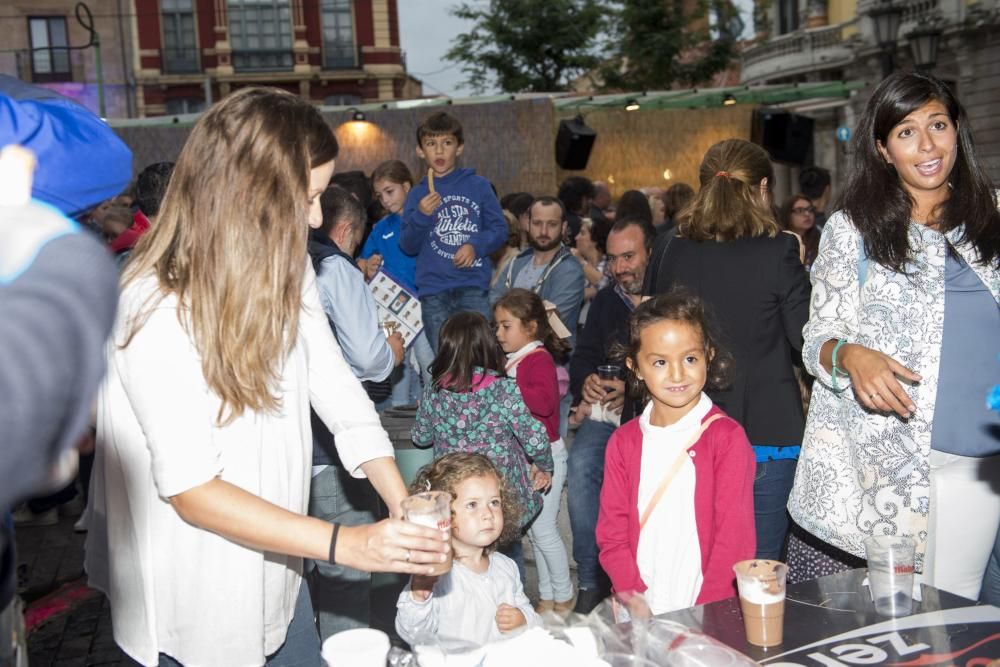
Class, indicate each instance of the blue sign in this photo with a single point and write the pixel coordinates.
(843, 133)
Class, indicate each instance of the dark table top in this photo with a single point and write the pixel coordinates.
(825, 615)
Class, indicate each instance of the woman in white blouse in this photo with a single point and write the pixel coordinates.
(203, 420)
(903, 336)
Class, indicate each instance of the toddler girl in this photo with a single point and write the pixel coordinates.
(525, 335)
(481, 598)
(471, 407)
(676, 507)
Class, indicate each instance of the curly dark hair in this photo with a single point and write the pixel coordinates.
(682, 306)
(447, 472)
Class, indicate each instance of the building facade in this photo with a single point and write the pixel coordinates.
(828, 40)
(166, 57)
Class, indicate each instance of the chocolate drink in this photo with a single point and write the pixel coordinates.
(763, 622)
(761, 585)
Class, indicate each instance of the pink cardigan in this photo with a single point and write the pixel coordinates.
(724, 465)
(536, 378)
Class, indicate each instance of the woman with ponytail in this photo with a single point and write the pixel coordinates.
(729, 250)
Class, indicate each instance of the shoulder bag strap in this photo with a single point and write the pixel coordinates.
(674, 469)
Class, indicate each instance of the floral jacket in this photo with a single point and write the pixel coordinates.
(491, 420)
(862, 473)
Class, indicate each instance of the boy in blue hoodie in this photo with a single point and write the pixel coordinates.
(452, 222)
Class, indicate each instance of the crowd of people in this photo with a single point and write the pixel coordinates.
(653, 353)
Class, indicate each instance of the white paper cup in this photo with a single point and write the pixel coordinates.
(361, 647)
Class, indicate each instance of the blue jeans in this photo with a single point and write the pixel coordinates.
(301, 647)
(550, 553)
(990, 592)
(771, 486)
(437, 308)
(408, 383)
(340, 594)
(584, 476)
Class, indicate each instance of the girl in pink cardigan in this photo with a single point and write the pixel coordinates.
(677, 500)
(532, 349)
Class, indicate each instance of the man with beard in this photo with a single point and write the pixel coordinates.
(547, 267)
(599, 401)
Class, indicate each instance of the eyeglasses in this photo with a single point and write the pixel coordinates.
(802, 210)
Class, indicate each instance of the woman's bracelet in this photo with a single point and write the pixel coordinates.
(835, 370)
(333, 544)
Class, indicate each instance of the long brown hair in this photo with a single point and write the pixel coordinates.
(729, 205)
(230, 240)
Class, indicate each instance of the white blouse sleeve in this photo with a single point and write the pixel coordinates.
(334, 392)
(161, 373)
(836, 299)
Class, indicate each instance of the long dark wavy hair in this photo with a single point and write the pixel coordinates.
(679, 305)
(875, 199)
(466, 342)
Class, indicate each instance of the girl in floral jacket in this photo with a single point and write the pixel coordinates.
(471, 407)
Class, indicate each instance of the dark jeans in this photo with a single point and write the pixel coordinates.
(584, 476)
(771, 486)
(340, 594)
(437, 308)
(301, 647)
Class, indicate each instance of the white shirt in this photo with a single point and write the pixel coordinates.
(463, 604)
(669, 553)
(181, 590)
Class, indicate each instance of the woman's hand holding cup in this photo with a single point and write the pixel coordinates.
(394, 545)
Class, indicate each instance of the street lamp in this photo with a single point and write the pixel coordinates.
(886, 18)
(924, 40)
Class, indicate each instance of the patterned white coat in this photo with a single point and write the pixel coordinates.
(861, 472)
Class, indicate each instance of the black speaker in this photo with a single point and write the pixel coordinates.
(786, 136)
(573, 143)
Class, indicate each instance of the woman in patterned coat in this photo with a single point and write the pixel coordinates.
(903, 336)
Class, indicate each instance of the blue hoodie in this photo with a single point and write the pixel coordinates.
(469, 213)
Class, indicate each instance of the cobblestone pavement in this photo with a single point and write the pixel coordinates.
(71, 624)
